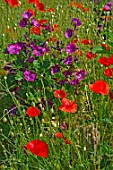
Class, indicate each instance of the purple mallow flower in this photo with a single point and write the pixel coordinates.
(100, 28)
(33, 45)
(74, 82)
(26, 37)
(69, 33)
(43, 103)
(55, 69)
(9, 68)
(68, 60)
(31, 59)
(13, 111)
(80, 74)
(71, 48)
(29, 75)
(110, 3)
(65, 81)
(67, 73)
(22, 45)
(50, 102)
(46, 49)
(23, 23)
(64, 126)
(49, 28)
(27, 14)
(76, 22)
(39, 51)
(13, 49)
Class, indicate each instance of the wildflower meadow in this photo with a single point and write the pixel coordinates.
(56, 85)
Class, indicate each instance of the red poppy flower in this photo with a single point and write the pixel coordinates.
(68, 106)
(73, 4)
(79, 6)
(55, 26)
(85, 9)
(100, 86)
(105, 61)
(38, 147)
(33, 111)
(67, 141)
(59, 135)
(13, 3)
(79, 52)
(53, 39)
(60, 93)
(106, 46)
(74, 41)
(85, 41)
(40, 6)
(35, 30)
(43, 22)
(33, 1)
(109, 72)
(91, 42)
(111, 59)
(50, 10)
(90, 55)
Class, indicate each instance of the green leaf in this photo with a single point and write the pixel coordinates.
(45, 65)
(109, 35)
(36, 64)
(19, 76)
(97, 49)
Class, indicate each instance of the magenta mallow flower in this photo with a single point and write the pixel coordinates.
(69, 33)
(81, 74)
(35, 23)
(71, 48)
(68, 60)
(76, 21)
(107, 8)
(55, 69)
(39, 51)
(29, 75)
(13, 48)
(64, 126)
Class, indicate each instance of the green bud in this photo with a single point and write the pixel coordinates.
(4, 120)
